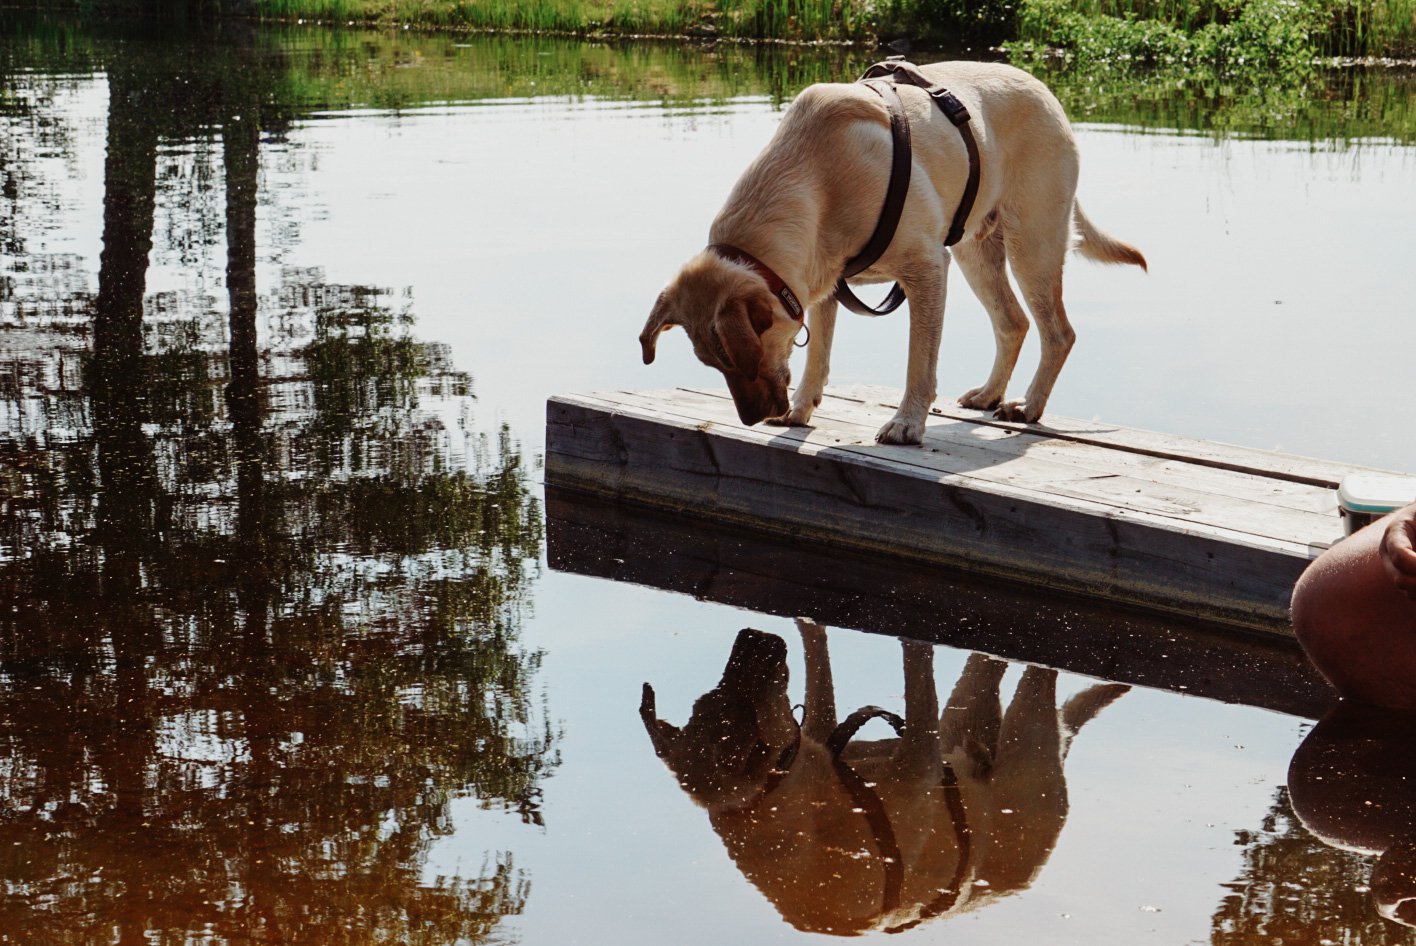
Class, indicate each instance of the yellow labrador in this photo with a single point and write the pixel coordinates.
(810, 201)
(845, 835)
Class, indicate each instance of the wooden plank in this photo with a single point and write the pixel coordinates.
(1041, 520)
(1151, 466)
(1029, 467)
(1242, 502)
(1280, 466)
(876, 594)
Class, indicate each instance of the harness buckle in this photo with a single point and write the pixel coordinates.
(956, 111)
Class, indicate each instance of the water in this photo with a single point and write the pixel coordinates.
(294, 649)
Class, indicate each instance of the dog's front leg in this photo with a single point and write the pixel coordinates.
(818, 717)
(821, 323)
(926, 295)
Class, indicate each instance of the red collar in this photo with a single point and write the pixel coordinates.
(776, 283)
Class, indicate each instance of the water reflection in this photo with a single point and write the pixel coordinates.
(265, 581)
(845, 835)
(1352, 785)
(262, 578)
(301, 70)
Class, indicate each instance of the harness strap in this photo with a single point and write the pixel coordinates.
(871, 805)
(901, 161)
(948, 896)
(958, 114)
(845, 732)
(897, 70)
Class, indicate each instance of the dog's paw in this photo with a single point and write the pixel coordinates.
(1019, 411)
(980, 399)
(799, 415)
(902, 430)
(796, 417)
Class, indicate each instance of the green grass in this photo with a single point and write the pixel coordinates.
(1272, 33)
(1273, 36)
(790, 19)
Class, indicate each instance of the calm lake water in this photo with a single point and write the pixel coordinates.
(295, 648)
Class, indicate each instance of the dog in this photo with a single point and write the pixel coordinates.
(811, 199)
(847, 836)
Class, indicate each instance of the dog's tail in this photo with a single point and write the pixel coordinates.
(1095, 245)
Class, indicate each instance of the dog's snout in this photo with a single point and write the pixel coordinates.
(751, 414)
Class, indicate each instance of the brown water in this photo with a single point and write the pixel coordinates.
(294, 649)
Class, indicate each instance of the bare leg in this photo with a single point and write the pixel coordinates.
(983, 265)
(973, 714)
(920, 745)
(1029, 791)
(821, 323)
(1357, 627)
(1037, 248)
(818, 719)
(926, 290)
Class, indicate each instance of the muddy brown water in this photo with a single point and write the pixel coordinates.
(294, 648)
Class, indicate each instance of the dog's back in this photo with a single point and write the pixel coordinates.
(811, 201)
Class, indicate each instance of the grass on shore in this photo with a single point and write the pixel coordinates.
(786, 19)
(1230, 35)
(1281, 34)
(334, 69)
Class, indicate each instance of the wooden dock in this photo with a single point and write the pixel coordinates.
(1206, 530)
(786, 578)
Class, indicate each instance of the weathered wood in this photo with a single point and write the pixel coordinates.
(789, 578)
(1267, 463)
(1099, 511)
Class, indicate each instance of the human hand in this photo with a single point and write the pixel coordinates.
(1399, 550)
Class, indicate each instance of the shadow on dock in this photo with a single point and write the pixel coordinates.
(1012, 620)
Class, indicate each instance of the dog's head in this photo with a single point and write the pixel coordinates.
(739, 730)
(735, 325)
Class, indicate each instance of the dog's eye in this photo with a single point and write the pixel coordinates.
(721, 353)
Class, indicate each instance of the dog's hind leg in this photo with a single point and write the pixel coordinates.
(821, 323)
(983, 264)
(973, 714)
(1036, 251)
(924, 286)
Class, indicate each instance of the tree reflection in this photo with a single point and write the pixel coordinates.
(261, 605)
(1293, 888)
(1331, 861)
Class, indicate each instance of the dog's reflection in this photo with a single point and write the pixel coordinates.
(1352, 783)
(846, 835)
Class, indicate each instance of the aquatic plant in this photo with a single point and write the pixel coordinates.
(1280, 35)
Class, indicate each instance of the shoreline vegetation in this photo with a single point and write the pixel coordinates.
(1285, 36)
(335, 65)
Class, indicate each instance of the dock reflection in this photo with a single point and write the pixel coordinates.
(846, 835)
(788, 576)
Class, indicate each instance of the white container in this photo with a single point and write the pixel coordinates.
(1363, 498)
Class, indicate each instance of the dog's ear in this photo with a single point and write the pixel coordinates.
(660, 318)
(662, 734)
(760, 309)
(739, 337)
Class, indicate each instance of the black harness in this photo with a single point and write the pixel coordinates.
(869, 803)
(882, 78)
